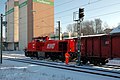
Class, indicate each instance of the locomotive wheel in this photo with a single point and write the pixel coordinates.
(95, 63)
(63, 59)
(53, 59)
(103, 63)
(31, 57)
(26, 54)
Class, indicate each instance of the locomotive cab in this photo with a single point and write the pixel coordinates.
(35, 46)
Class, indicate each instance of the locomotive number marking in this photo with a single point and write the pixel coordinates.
(51, 46)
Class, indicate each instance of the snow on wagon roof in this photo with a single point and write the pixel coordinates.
(91, 35)
(94, 35)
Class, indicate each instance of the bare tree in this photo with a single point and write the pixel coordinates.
(87, 27)
(98, 23)
(107, 29)
(105, 25)
(75, 27)
(70, 28)
(57, 30)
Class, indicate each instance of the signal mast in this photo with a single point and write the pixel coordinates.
(79, 21)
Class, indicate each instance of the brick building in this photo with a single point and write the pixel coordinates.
(36, 18)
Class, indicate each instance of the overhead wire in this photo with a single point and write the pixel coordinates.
(105, 6)
(54, 6)
(74, 8)
(98, 15)
(105, 14)
(93, 10)
(114, 4)
(69, 9)
(57, 5)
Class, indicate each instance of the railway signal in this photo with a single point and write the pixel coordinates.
(80, 16)
(81, 13)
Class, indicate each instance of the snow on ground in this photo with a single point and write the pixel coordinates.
(11, 70)
(13, 52)
(22, 54)
(114, 62)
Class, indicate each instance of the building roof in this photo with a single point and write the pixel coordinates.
(116, 30)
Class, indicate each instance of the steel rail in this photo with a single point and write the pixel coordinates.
(61, 67)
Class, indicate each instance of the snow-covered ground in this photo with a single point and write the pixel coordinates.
(11, 70)
(114, 62)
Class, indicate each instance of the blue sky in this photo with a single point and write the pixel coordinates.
(2, 4)
(107, 10)
(103, 9)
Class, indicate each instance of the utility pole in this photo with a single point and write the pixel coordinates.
(59, 29)
(78, 43)
(1, 39)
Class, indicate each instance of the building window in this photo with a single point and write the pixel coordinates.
(6, 7)
(16, 3)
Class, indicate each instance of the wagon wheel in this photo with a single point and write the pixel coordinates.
(103, 63)
(63, 59)
(84, 62)
(52, 58)
(26, 54)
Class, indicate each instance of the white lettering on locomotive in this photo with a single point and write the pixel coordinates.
(50, 46)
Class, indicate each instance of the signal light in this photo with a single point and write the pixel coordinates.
(81, 13)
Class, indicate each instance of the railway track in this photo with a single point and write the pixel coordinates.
(112, 66)
(83, 69)
(105, 66)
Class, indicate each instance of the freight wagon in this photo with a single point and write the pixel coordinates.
(98, 49)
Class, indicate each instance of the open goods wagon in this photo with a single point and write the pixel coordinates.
(98, 49)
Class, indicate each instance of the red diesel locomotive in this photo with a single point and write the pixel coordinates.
(96, 49)
(42, 47)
